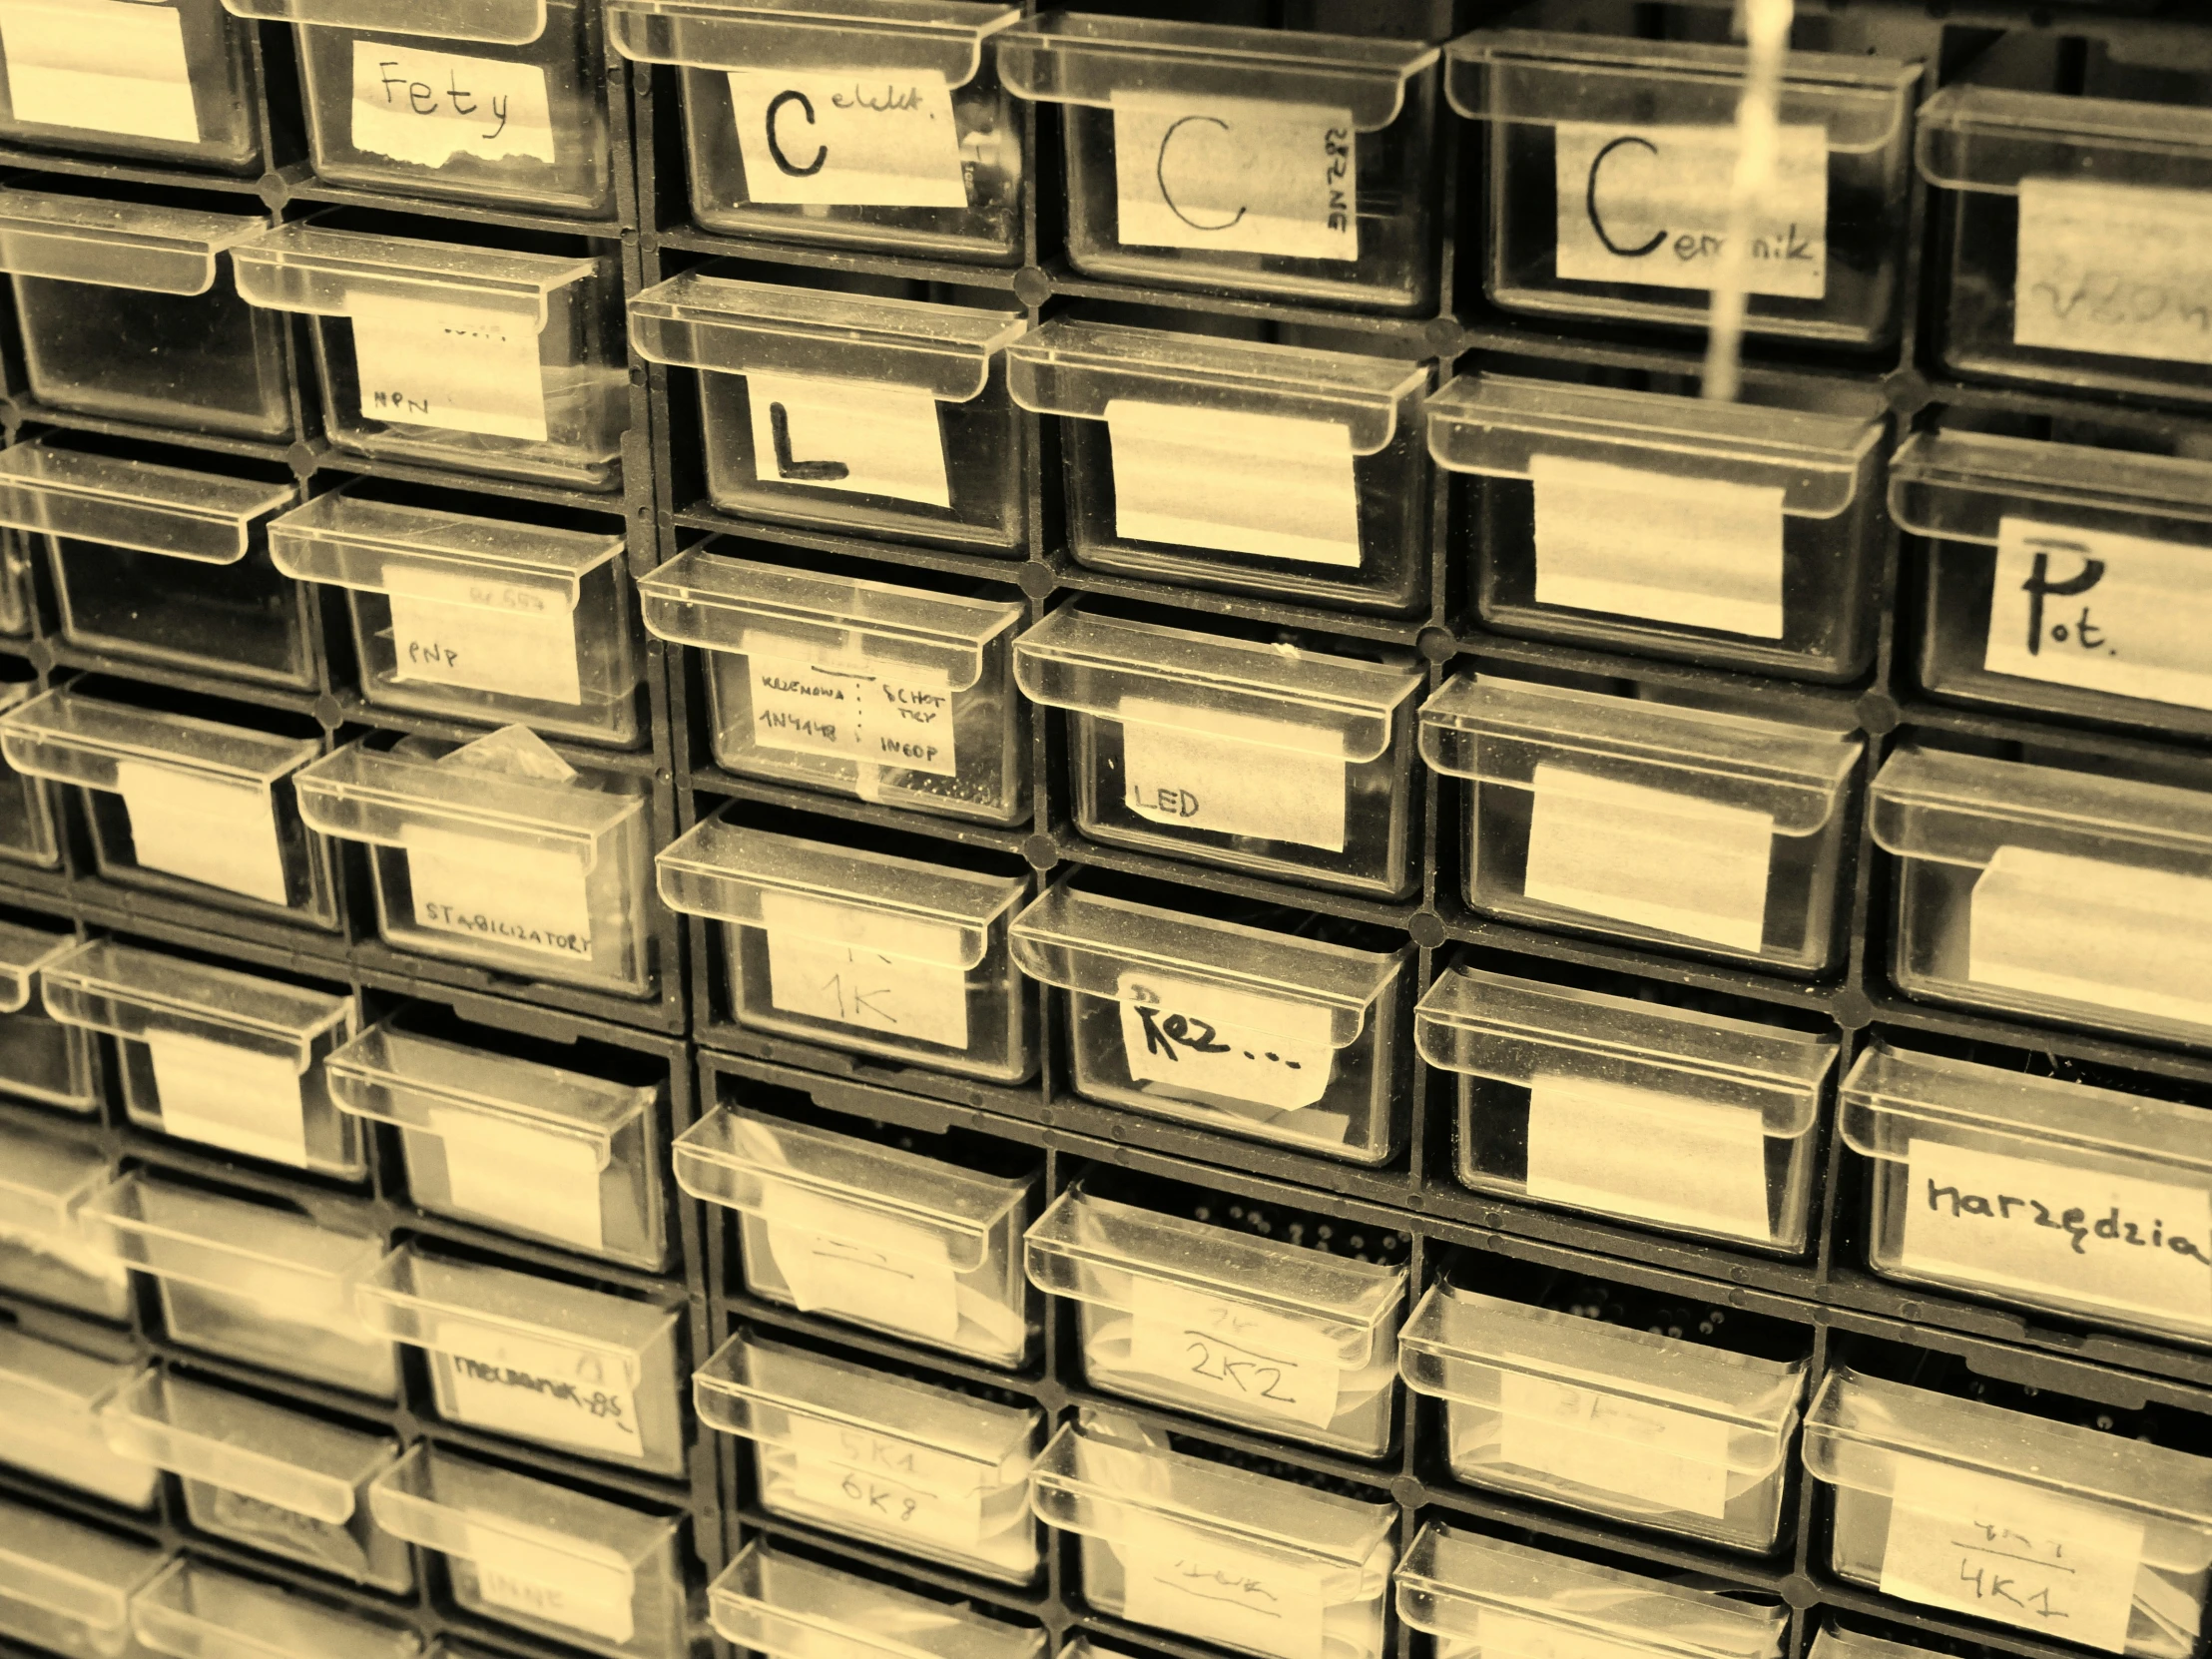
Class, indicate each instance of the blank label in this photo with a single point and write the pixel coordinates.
(858, 437)
(100, 66)
(1654, 1454)
(429, 107)
(1243, 1355)
(879, 139)
(1602, 1146)
(1201, 1039)
(523, 1178)
(1236, 175)
(460, 366)
(484, 632)
(500, 891)
(2123, 615)
(218, 831)
(1236, 774)
(2124, 271)
(1234, 483)
(230, 1097)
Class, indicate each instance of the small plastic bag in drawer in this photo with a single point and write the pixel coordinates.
(855, 1450)
(51, 1393)
(68, 1588)
(787, 1606)
(46, 1177)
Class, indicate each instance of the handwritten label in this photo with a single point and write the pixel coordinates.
(272, 1526)
(1263, 1361)
(1207, 1589)
(100, 66)
(1212, 1040)
(894, 1486)
(848, 141)
(1999, 1549)
(553, 1576)
(1649, 206)
(2103, 1240)
(900, 719)
(1234, 483)
(2115, 935)
(873, 969)
(858, 437)
(501, 891)
(429, 107)
(459, 367)
(484, 632)
(517, 1177)
(840, 1259)
(1235, 175)
(217, 830)
(1654, 1454)
(1662, 1158)
(1650, 857)
(2120, 269)
(2123, 615)
(1236, 774)
(540, 1391)
(1701, 552)
(223, 1095)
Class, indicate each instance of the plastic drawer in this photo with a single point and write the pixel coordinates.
(173, 82)
(29, 834)
(46, 1180)
(51, 1396)
(41, 1058)
(68, 1588)
(196, 1612)
(787, 1606)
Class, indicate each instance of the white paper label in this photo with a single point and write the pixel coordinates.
(860, 438)
(1213, 1040)
(900, 719)
(1999, 1549)
(484, 632)
(1700, 552)
(552, 1577)
(2124, 615)
(229, 1097)
(1207, 1589)
(1663, 1158)
(213, 829)
(892, 1485)
(2115, 935)
(1236, 175)
(1649, 857)
(840, 1259)
(100, 66)
(1268, 486)
(521, 897)
(2028, 1224)
(428, 107)
(1649, 206)
(1236, 774)
(518, 1176)
(1260, 1360)
(2120, 269)
(459, 367)
(884, 140)
(873, 969)
(542, 1391)
(1654, 1454)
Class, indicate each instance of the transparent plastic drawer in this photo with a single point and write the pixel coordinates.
(892, 1239)
(1722, 533)
(2037, 890)
(195, 1611)
(782, 144)
(173, 81)
(503, 102)
(228, 1059)
(28, 832)
(457, 357)
(1976, 1509)
(863, 1453)
(544, 1151)
(554, 1562)
(275, 1481)
(1476, 1595)
(1278, 1036)
(1261, 757)
(1661, 1430)
(2073, 237)
(201, 808)
(1226, 463)
(899, 695)
(251, 1281)
(68, 1588)
(1294, 167)
(1700, 829)
(128, 312)
(1832, 1641)
(163, 564)
(1609, 166)
(1285, 1338)
(2061, 578)
(46, 1180)
(1287, 1570)
(479, 619)
(41, 1058)
(518, 1353)
(498, 853)
(786, 1607)
(2034, 1191)
(1631, 1107)
(50, 1423)
(860, 950)
(844, 411)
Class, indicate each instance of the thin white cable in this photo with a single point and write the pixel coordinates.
(1758, 148)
